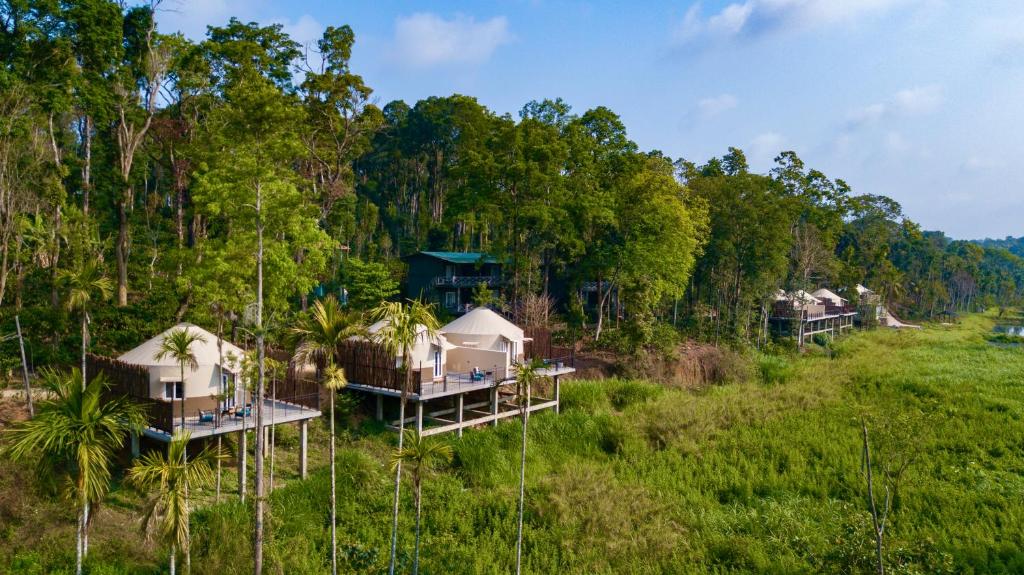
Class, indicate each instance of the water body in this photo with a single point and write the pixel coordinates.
(1010, 329)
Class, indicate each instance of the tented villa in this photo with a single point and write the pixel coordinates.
(464, 376)
(216, 397)
(801, 315)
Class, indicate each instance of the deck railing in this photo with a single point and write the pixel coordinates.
(467, 281)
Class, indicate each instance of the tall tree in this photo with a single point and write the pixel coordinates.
(404, 324)
(420, 454)
(76, 433)
(318, 335)
(85, 286)
(172, 477)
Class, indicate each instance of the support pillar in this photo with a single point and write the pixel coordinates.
(135, 445)
(458, 412)
(494, 406)
(419, 418)
(380, 408)
(243, 454)
(303, 436)
(558, 396)
(266, 440)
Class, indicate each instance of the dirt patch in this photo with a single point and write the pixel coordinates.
(11, 411)
(692, 365)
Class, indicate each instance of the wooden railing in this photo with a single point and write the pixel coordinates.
(368, 363)
(132, 381)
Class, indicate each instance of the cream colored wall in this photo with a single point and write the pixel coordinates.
(464, 359)
(202, 382)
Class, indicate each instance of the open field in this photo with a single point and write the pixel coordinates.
(636, 478)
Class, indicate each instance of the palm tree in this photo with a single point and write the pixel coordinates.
(172, 476)
(78, 431)
(85, 284)
(177, 345)
(420, 454)
(403, 326)
(318, 335)
(526, 377)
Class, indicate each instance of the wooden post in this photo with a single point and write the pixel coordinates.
(419, 417)
(380, 408)
(24, 368)
(242, 456)
(303, 435)
(458, 412)
(494, 405)
(135, 445)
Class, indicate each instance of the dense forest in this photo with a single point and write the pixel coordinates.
(152, 160)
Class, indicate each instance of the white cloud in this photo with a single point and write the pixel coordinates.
(895, 143)
(306, 30)
(919, 100)
(191, 17)
(764, 147)
(424, 39)
(981, 164)
(751, 17)
(711, 107)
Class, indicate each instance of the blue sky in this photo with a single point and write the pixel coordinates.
(920, 100)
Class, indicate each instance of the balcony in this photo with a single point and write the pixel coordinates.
(467, 281)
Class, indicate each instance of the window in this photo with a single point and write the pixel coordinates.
(437, 363)
(450, 300)
(173, 390)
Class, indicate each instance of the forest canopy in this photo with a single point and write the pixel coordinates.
(143, 152)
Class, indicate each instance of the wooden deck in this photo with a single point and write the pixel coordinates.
(275, 412)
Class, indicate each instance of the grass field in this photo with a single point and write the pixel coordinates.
(636, 478)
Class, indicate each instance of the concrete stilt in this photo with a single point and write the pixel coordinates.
(243, 455)
(558, 395)
(494, 405)
(380, 408)
(458, 411)
(419, 417)
(303, 437)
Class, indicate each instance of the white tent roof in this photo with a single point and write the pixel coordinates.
(824, 293)
(439, 340)
(861, 290)
(205, 351)
(798, 296)
(483, 321)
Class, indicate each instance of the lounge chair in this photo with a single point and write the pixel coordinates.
(205, 416)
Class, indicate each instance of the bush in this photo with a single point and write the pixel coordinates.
(822, 339)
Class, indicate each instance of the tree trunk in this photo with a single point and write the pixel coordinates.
(121, 252)
(257, 543)
(522, 485)
(871, 500)
(334, 506)
(85, 343)
(87, 164)
(24, 368)
(398, 484)
(219, 438)
(416, 552)
(172, 559)
(78, 542)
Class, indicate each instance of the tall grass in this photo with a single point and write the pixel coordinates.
(757, 477)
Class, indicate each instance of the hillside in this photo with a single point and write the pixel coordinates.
(636, 478)
(1014, 245)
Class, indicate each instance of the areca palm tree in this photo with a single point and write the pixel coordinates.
(172, 476)
(85, 284)
(177, 345)
(318, 336)
(526, 378)
(403, 325)
(77, 431)
(420, 454)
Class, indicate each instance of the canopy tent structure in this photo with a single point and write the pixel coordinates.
(425, 349)
(799, 298)
(830, 297)
(482, 328)
(205, 351)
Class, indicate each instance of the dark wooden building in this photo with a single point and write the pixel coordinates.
(449, 278)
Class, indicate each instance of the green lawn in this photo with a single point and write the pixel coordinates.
(635, 478)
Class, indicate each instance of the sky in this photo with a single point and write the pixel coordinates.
(919, 100)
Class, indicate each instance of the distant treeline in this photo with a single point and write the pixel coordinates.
(1014, 245)
(144, 152)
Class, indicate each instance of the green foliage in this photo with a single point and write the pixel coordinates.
(368, 283)
(774, 369)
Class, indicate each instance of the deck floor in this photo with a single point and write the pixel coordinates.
(454, 385)
(275, 412)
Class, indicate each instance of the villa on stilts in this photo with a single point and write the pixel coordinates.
(213, 399)
(801, 315)
(463, 376)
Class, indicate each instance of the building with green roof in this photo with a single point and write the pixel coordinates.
(449, 278)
